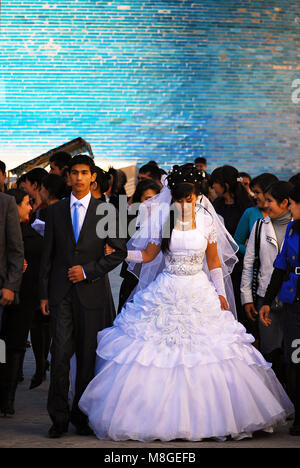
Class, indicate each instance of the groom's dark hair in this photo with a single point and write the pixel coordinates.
(82, 159)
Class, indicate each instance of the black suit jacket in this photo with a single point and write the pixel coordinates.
(11, 244)
(61, 253)
(33, 249)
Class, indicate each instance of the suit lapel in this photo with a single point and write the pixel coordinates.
(66, 213)
(271, 235)
(90, 214)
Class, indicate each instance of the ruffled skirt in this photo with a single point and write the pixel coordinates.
(175, 366)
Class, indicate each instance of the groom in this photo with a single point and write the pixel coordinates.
(75, 291)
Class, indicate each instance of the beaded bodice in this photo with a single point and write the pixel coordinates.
(187, 250)
(177, 264)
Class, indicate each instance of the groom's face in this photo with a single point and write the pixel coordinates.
(81, 179)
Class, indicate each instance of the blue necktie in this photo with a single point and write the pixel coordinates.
(76, 220)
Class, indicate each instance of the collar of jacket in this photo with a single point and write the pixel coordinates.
(271, 235)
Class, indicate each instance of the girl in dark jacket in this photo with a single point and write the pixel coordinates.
(233, 198)
(18, 317)
(231, 203)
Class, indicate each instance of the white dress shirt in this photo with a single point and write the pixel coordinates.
(82, 210)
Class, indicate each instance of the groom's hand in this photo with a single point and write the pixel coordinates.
(45, 307)
(75, 274)
(7, 297)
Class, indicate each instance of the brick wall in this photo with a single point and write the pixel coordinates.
(166, 80)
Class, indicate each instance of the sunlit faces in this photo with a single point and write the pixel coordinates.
(185, 207)
(95, 190)
(275, 209)
(212, 194)
(30, 188)
(81, 179)
(201, 166)
(22, 186)
(2, 178)
(246, 183)
(147, 194)
(44, 194)
(259, 197)
(55, 169)
(294, 208)
(24, 209)
(219, 189)
(67, 179)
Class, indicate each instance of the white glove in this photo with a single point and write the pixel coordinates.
(134, 256)
(217, 278)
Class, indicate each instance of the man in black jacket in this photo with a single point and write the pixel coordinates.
(75, 291)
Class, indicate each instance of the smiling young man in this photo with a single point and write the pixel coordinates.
(75, 291)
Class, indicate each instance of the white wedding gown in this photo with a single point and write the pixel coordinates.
(176, 366)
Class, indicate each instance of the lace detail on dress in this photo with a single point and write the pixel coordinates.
(184, 264)
(212, 236)
(154, 241)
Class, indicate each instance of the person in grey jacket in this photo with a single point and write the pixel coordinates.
(271, 238)
(11, 251)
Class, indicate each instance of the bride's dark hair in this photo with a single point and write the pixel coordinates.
(188, 174)
(183, 181)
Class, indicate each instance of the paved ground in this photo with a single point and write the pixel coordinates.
(28, 428)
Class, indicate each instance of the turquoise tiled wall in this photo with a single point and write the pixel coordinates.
(166, 80)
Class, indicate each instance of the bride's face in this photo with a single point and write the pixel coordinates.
(185, 207)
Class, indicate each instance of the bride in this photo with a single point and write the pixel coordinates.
(176, 364)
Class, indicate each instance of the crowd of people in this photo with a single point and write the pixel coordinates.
(55, 293)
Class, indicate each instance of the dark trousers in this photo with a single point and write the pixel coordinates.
(15, 328)
(16, 323)
(291, 334)
(74, 330)
(129, 282)
(40, 335)
(236, 277)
